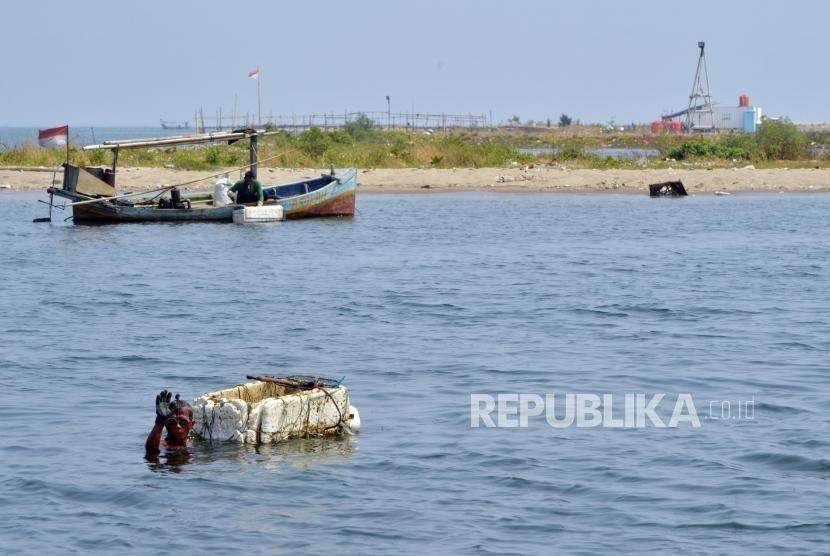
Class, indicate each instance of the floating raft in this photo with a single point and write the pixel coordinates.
(272, 410)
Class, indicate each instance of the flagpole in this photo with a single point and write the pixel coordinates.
(67, 146)
(259, 96)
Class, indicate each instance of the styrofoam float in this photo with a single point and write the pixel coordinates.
(251, 215)
(265, 412)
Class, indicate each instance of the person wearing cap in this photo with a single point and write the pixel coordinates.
(248, 190)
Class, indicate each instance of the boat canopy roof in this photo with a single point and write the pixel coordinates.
(229, 136)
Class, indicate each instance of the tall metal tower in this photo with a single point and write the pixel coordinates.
(699, 114)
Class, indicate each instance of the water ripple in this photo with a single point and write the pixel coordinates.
(419, 302)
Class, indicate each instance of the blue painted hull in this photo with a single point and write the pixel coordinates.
(323, 196)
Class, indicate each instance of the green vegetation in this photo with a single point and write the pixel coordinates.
(781, 141)
(360, 128)
(363, 145)
(707, 149)
(775, 140)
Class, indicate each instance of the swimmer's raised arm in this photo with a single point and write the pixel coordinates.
(162, 413)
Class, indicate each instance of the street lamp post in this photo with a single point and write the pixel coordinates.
(388, 113)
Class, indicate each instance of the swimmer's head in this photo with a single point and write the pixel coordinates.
(179, 422)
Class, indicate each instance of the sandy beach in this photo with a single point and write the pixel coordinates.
(528, 179)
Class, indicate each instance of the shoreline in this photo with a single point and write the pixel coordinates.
(538, 179)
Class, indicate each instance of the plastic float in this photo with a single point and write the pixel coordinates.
(274, 409)
(253, 215)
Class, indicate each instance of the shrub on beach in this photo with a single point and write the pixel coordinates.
(97, 157)
(781, 140)
(313, 142)
(361, 127)
(707, 148)
(774, 140)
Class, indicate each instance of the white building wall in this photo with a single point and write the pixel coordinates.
(728, 117)
(723, 117)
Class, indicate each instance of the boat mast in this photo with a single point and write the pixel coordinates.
(114, 163)
(254, 153)
(259, 99)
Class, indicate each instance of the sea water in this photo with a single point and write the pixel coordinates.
(419, 302)
(11, 137)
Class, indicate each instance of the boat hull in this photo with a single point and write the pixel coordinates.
(106, 213)
(342, 205)
(337, 198)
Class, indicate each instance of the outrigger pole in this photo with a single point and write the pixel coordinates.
(230, 136)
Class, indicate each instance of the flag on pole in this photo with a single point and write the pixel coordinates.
(53, 137)
(254, 74)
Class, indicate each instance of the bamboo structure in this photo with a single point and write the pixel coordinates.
(331, 121)
(177, 140)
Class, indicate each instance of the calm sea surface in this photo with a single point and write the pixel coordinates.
(420, 301)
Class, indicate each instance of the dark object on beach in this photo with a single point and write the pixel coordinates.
(667, 189)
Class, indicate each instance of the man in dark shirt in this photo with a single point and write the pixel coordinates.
(248, 190)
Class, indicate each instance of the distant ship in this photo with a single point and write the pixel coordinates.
(174, 125)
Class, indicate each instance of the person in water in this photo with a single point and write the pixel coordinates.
(177, 417)
(248, 190)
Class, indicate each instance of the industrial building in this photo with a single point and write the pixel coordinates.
(743, 117)
(704, 115)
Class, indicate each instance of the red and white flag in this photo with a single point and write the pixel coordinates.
(53, 137)
(254, 73)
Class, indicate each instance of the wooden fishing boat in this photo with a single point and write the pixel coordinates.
(92, 195)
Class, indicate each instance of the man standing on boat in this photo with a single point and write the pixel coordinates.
(248, 190)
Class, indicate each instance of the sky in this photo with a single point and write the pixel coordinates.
(131, 63)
